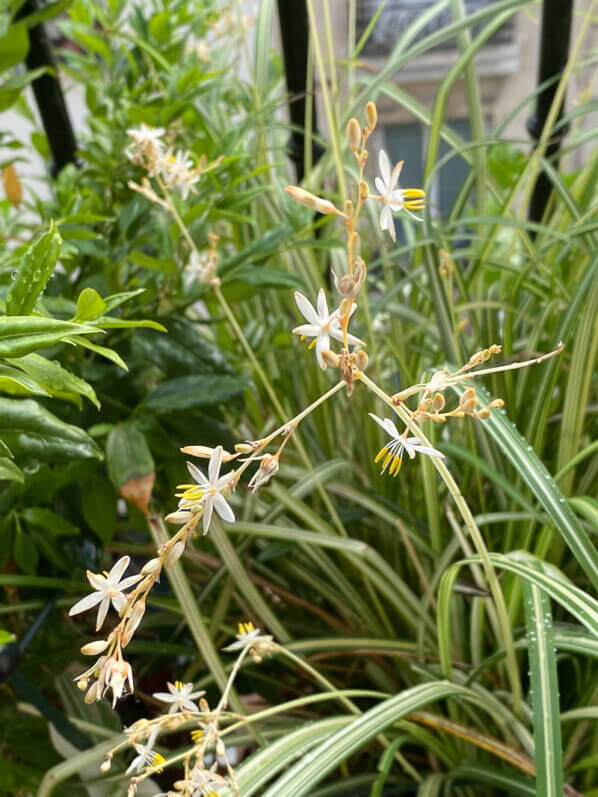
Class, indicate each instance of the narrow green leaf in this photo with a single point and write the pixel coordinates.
(538, 479)
(545, 692)
(20, 335)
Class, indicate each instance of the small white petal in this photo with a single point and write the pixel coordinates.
(306, 308)
(223, 508)
(118, 569)
(197, 474)
(384, 166)
(88, 602)
(215, 463)
(379, 183)
(207, 515)
(308, 330)
(322, 305)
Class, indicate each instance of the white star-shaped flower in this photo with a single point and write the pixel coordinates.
(321, 325)
(393, 450)
(109, 588)
(208, 495)
(394, 198)
(146, 757)
(180, 696)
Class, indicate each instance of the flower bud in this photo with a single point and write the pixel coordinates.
(438, 402)
(179, 517)
(106, 765)
(174, 554)
(484, 413)
(93, 693)
(364, 190)
(153, 566)
(497, 403)
(94, 648)
(372, 115)
(244, 448)
(354, 134)
(82, 684)
(311, 201)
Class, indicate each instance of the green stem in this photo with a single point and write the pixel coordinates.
(476, 536)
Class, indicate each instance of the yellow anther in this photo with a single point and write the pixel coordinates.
(196, 736)
(178, 685)
(395, 466)
(158, 761)
(386, 460)
(380, 454)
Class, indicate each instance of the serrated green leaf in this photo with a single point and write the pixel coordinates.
(56, 380)
(90, 305)
(17, 383)
(33, 432)
(197, 390)
(33, 273)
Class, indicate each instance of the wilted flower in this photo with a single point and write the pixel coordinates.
(268, 467)
(108, 588)
(180, 696)
(393, 450)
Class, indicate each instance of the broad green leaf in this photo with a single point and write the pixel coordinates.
(127, 454)
(33, 273)
(25, 553)
(197, 391)
(56, 380)
(538, 479)
(9, 471)
(545, 692)
(49, 521)
(17, 383)
(98, 505)
(32, 432)
(14, 46)
(21, 335)
(90, 305)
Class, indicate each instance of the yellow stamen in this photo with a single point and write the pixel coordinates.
(380, 454)
(178, 685)
(313, 343)
(196, 736)
(303, 338)
(414, 204)
(158, 761)
(396, 466)
(105, 573)
(387, 459)
(413, 193)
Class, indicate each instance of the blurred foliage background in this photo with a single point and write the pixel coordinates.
(114, 356)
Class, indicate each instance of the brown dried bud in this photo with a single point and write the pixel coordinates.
(372, 115)
(331, 358)
(354, 134)
(360, 359)
(438, 402)
(349, 285)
